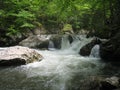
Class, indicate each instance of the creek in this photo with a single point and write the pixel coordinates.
(62, 69)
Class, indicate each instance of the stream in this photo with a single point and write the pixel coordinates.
(62, 69)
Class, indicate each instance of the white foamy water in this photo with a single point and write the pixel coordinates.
(95, 51)
(61, 69)
(62, 65)
(51, 45)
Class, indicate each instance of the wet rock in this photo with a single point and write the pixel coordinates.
(86, 50)
(18, 55)
(110, 50)
(42, 41)
(97, 83)
(36, 41)
(56, 40)
(111, 83)
(70, 38)
(107, 86)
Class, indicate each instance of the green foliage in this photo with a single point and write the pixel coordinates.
(24, 14)
(17, 16)
(27, 25)
(11, 31)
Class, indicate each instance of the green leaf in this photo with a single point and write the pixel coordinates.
(27, 25)
(25, 14)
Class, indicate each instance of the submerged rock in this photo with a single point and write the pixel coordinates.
(111, 83)
(86, 50)
(18, 55)
(100, 83)
(96, 83)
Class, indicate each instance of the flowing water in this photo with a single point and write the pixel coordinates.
(51, 45)
(95, 51)
(61, 69)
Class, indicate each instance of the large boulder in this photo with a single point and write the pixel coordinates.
(36, 41)
(110, 50)
(86, 50)
(18, 55)
(43, 41)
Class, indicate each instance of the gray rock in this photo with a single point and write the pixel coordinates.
(99, 83)
(18, 55)
(111, 83)
(42, 41)
(86, 50)
(110, 50)
(56, 40)
(36, 41)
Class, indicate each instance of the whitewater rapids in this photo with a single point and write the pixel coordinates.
(59, 70)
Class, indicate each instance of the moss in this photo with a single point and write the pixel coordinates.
(67, 27)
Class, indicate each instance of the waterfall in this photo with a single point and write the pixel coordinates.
(78, 42)
(51, 45)
(95, 51)
(65, 42)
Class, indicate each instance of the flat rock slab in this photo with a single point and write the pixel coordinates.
(18, 55)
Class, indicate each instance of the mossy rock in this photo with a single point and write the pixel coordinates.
(67, 28)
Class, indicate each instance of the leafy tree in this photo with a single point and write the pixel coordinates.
(18, 16)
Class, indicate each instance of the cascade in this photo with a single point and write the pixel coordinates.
(65, 42)
(78, 42)
(62, 69)
(95, 51)
(51, 45)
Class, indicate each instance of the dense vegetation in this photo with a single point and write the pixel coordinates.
(19, 16)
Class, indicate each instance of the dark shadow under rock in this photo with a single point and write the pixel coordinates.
(18, 55)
